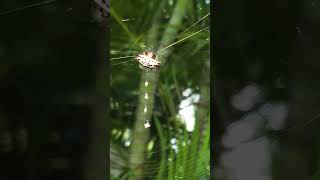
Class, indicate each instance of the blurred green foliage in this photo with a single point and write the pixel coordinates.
(172, 152)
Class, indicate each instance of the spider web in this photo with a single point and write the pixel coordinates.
(172, 157)
(162, 161)
(124, 52)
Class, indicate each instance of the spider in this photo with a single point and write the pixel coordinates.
(148, 59)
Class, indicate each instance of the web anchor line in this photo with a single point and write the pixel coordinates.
(149, 58)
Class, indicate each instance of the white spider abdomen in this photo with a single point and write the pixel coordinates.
(148, 59)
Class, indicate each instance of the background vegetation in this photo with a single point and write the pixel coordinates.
(166, 150)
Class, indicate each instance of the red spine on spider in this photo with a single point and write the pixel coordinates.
(148, 60)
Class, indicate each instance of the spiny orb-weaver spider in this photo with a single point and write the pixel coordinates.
(148, 59)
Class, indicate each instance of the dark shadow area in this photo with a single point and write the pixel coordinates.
(53, 77)
(266, 90)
